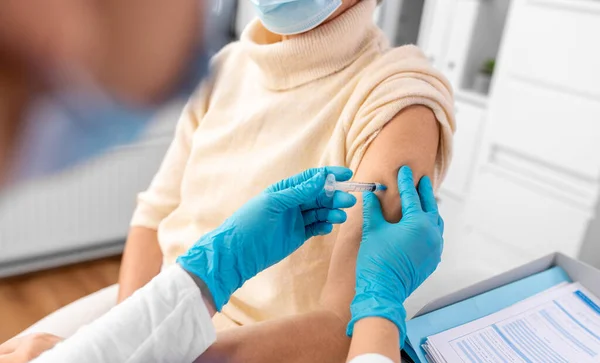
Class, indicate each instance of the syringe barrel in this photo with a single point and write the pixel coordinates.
(354, 187)
(331, 185)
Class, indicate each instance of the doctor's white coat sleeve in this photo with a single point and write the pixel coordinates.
(371, 358)
(165, 321)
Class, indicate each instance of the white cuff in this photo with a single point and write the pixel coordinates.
(371, 358)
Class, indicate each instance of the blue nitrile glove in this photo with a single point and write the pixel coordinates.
(395, 258)
(266, 230)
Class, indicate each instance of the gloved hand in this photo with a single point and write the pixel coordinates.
(395, 258)
(266, 230)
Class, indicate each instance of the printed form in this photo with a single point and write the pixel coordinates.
(560, 325)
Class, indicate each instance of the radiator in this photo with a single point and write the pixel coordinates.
(82, 213)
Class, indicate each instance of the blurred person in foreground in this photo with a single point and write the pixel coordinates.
(102, 66)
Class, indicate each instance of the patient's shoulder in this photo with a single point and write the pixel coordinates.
(400, 77)
(400, 65)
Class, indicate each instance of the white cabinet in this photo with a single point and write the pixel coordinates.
(459, 36)
(526, 214)
(525, 177)
(554, 43)
(469, 119)
(546, 123)
(535, 189)
(435, 26)
(483, 256)
(547, 102)
(462, 31)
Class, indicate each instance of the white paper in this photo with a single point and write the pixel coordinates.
(561, 324)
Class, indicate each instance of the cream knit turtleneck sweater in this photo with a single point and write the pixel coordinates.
(273, 109)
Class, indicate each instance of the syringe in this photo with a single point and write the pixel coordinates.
(331, 185)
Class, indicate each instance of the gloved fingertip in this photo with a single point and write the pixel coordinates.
(310, 231)
(405, 174)
(341, 172)
(347, 174)
(326, 228)
(344, 217)
(406, 170)
(351, 198)
(426, 180)
(344, 200)
(337, 216)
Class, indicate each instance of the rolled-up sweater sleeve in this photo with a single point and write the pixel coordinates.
(401, 78)
(165, 321)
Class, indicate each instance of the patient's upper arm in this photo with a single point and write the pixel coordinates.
(411, 138)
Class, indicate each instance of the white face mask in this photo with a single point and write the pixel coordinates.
(287, 17)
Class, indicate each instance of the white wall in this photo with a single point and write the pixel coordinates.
(245, 14)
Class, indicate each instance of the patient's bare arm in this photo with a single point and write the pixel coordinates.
(411, 138)
(141, 261)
